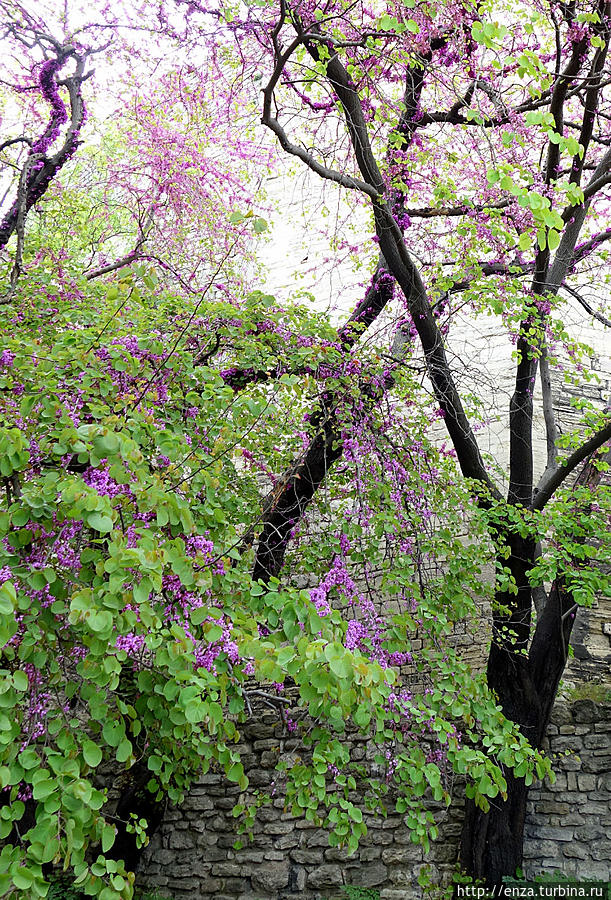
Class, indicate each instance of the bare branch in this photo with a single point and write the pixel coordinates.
(589, 309)
(130, 257)
(551, 431)
(430, 212)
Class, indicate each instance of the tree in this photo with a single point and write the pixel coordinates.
(517, 102)
(149, 592)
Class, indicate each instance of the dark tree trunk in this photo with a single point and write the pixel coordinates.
(526, 685)
(492, 842)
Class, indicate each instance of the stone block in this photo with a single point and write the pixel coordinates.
(393, 856)
(590, 833)
(568, 742)
(368, 854)
(378, 837)
(371, 876)
(278, 827)
(164, 857)
(571, 780)
(585, 711)
(552, 807)
(339, 854)
(286, 841)
(181, 840)
(274, 855)
(586, 782)
(226, 841)
(402, 876)
(594, 871)
(224, 803)
(596, 741)
(260, 778)
(249, 895)
(562, 714)
(317, 838)
(237, 885)
(393, 894)
(325, 876)
(213, 854)
(271, 876)
(575, 850)
(250, 856)
(534, 849)
(594, 808)
(209, 779)
(601, 850)
(297, 879)
(596, 764)
(226, 870)
(553, 834)
(307, 857)
(573, 819)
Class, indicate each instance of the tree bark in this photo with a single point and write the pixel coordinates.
(492, 843)
(526, 683)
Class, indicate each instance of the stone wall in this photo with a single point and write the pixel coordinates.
(569, 823)
(194, 857)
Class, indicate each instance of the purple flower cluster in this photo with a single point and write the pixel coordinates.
(50, 92)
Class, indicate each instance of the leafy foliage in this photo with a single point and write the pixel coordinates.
(130, 622)
(155, 426)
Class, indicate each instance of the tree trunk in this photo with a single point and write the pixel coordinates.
(492, 842)
(526, 684)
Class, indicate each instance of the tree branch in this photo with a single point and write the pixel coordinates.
(589, 309)
(430, 212)
(551, 431)
(43, 169)
(552, 479)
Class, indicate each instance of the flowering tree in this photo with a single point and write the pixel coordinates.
(479, 138)
(210, 495)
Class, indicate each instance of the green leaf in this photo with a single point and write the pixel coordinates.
(124, 750)
(20, 680)
(100, 522)
(92, 754)
(8, 599)
(108, 837)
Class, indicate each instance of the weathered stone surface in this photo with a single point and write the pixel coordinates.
(585, 711)
(596, 741)
(535, 849)
(372, 876)
(307, 857)
(271, 876)
(575, 850)
(325, 876)
(226, 869)
(401, 855)
(555, 834)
